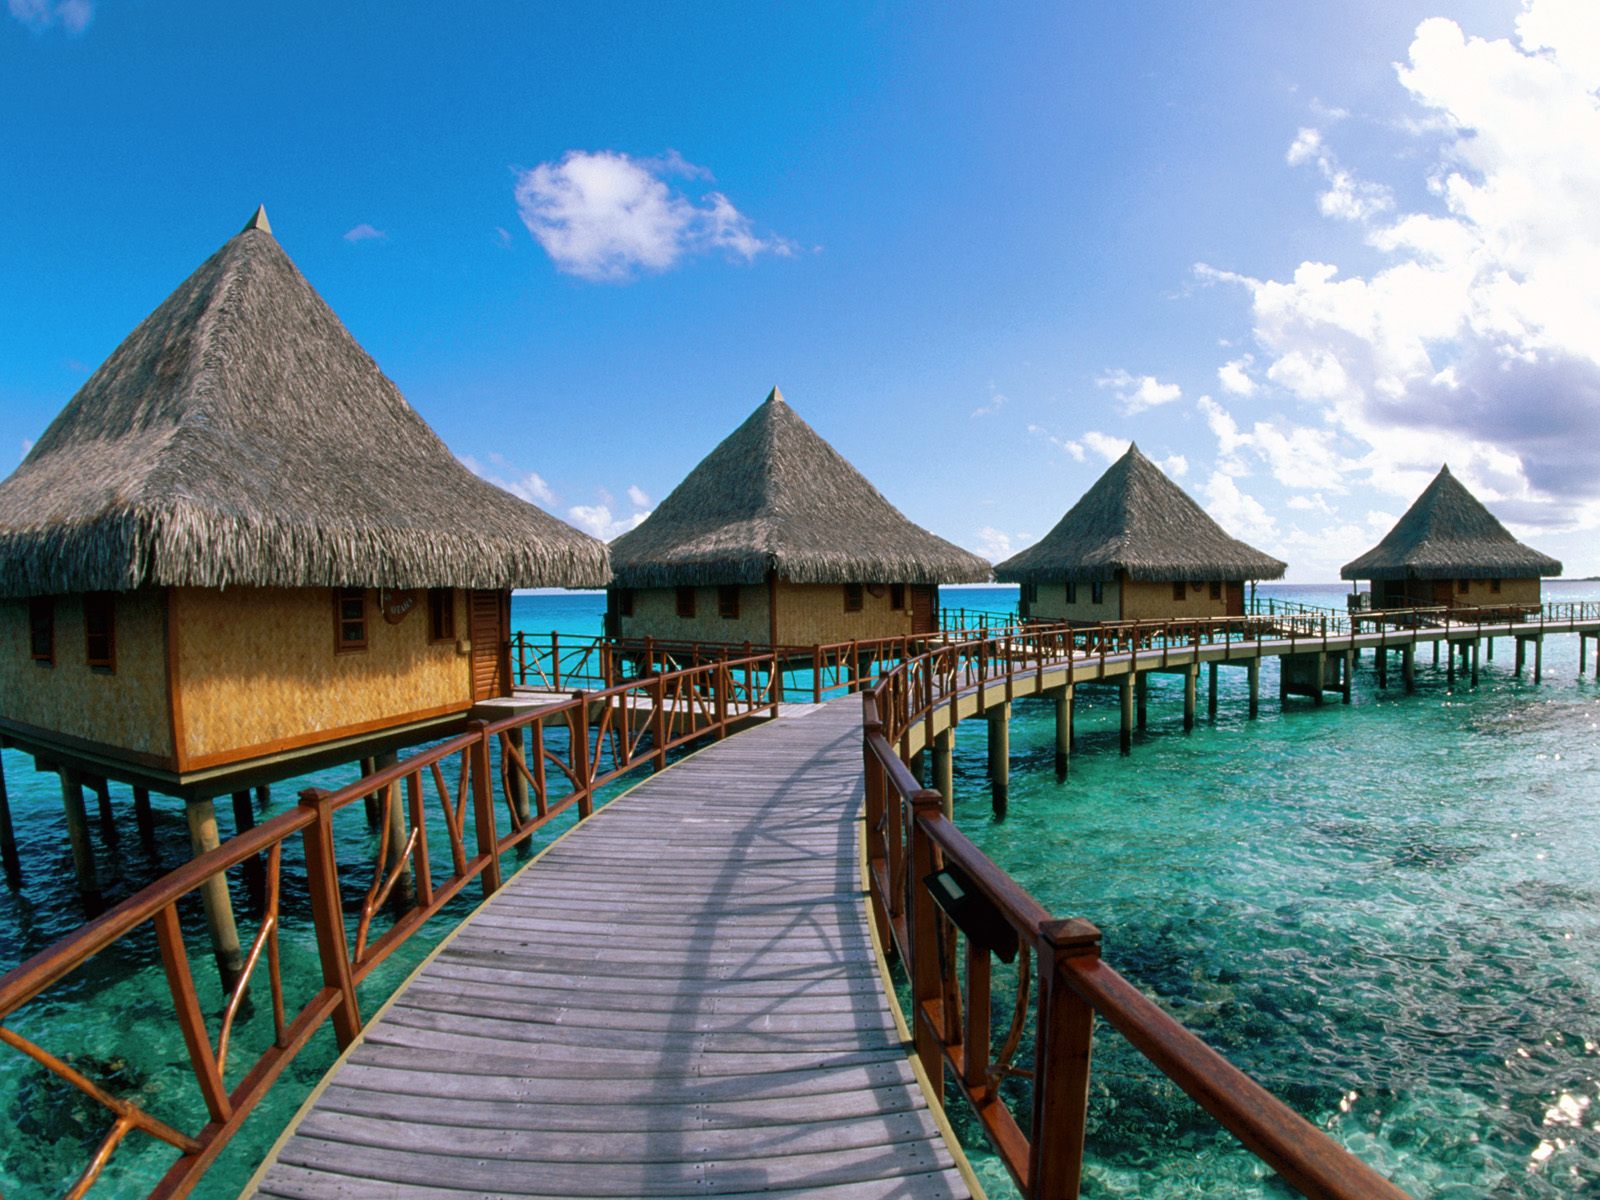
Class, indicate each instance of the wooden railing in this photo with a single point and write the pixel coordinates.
(551, 761)
(914, 849)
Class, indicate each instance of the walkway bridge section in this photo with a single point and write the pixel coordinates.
(680, 997)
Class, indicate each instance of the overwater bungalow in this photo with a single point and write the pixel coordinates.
(238, 554)
(1449, 551)
(1135, 548)
(775, 539)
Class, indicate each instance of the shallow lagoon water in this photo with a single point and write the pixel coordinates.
(1388, 913)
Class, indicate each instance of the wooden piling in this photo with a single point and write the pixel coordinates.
(517, 787)
(1142, 693)
(1583, 650)
(1489, 649)
(1436, 652)
(944, 779)
(78, 830)
(1474, 662)
(1191, 681)
(404, 895)
(373, 801)
(254, 869)
(143, 817)
(1449, 663)
(8, 835)
(1127, 713)
(1322, 678)
(1538, 658)
(1522, 651)
(919, 767)
(1408, 666)
(108, 817)
(1381, 660)
(1063, 703)
(203, 836)
(1348, 682)
(1253, 674)
(1211, 692)
(1000, 755)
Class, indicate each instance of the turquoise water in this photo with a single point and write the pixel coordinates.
(1386, 912)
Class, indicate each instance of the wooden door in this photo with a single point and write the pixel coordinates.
(1444, 593)
(924, 608)
(487, 626)
(1234, 604)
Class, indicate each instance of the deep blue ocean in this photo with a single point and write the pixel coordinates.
(1389, 913)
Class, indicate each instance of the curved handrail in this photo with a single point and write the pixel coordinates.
(677, 707)
(909, 839)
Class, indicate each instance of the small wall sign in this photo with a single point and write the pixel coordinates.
(396, 603)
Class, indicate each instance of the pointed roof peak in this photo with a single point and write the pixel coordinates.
(775, 397)
(258, 221)
(1445, 469)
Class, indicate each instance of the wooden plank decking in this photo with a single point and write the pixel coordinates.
(679, 998)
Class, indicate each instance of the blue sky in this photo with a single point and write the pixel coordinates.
(1301, 253)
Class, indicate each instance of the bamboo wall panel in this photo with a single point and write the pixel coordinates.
(813, 613)
(1147, 601)
(1052, 603)
(126, 708)
(655, 615)
(257, 666)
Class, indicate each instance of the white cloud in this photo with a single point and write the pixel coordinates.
(365, 233)
(72, 16)
(1073, 449)
(1105, 446)
(992, 405)
(1235, 378)
(526, 485)
(1241, 515)
(995, 544)
(1135, 393)
(598, 521)
(638, 497)
(605, 216)
(1175, 465)
(1477, 338)
(1313, 503)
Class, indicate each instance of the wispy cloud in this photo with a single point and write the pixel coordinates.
(365, 233)
(601, 521)
(1136, 393)
(70, 16)
(527, 485)
(992, 405)
(608, 217)
(996, 544)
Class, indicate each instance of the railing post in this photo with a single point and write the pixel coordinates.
(927, 988)
(482, 783)
(1061, 1062)
(327, 915)
(580, 756)
(816, 674)
(719, 691)
(555, 661)
(658, 721)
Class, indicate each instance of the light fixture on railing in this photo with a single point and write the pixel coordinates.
(973, 912)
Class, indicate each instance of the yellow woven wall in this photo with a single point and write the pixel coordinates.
(1146, 601)
(126, 708)
(655, 614)
(257, 666)
(1052, 603)
(1480, 593)
(812, 613)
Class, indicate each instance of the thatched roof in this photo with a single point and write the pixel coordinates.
(1449, 534)
(1135, 519)
(775, 497)
(240, 435)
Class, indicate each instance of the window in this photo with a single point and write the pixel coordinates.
(1462, 585)
(100, 630)
(1494, 586)
(897, 597)
(350, 619)
(728, 601)
(1072, 592)
(1216, 589)
(1030, 593)
(441, 615)
(1178, 591)
(1097, 593)
(686, 602)
(853, 597)
(624, 602)
(42, 630)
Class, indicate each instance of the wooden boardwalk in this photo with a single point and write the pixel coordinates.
(679, 998)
